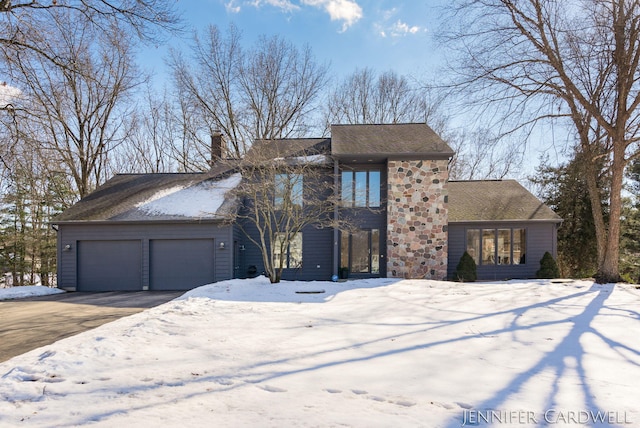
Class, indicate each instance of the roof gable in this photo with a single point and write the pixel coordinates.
(495, 200)
(389, 140)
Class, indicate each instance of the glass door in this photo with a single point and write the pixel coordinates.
(360, 252)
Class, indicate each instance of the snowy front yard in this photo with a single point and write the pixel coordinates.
(370, 353)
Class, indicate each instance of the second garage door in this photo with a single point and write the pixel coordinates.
(180, 264)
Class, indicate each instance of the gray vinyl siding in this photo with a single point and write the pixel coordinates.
(541, 237)
(250, 257)
(71, 234)
(317, 255)
(240, 245)
(317, 249)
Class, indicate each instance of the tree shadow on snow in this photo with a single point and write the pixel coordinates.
(566, 358)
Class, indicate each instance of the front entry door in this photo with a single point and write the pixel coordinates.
(360, 252)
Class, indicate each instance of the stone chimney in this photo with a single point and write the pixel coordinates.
(216, 147)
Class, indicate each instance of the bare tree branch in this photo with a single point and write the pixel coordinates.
(579, 60)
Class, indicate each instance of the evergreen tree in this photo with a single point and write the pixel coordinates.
(31, 199)
(548, 267)
(630, 223)
(466, 269)
(564, 189)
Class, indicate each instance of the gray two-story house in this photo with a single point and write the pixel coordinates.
(171, 231)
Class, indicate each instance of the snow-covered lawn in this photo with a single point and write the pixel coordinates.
(370, 353)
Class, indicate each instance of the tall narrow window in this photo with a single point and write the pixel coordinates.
(279, 252)
(347, 188)
(488, 247)
(504, 246)
(360, 252)
(519, 246)
(374, 188)
(473, 244)
(375, 251)
(288, 190)
(295, 252)
(361, 189)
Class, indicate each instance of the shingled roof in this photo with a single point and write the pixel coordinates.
(495, 200)
(388, 140)
(286, 148)
(155, 197)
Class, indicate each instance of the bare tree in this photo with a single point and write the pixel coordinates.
(480, 155)
(22, 23)
(150, 145)
(284, 191)
(537, 59)
(265, 92)
(365, 97)
(76, 113)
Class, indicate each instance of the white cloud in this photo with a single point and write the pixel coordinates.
(8, 94)
(347, 11)
(389, 13)
(399, 29)
(232, 7)
(285, 5)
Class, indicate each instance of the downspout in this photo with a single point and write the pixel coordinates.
(58, 253)
(336, 218)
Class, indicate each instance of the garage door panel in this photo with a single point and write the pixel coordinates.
(180, 264)
(110, 265)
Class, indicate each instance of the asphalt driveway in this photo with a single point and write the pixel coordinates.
(30, 323)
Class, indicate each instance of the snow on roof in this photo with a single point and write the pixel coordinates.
(201, 200)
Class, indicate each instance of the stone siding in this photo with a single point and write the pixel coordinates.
(417, 219)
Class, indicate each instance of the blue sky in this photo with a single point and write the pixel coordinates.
(348, 34)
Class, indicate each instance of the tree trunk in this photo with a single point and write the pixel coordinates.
(608, 267)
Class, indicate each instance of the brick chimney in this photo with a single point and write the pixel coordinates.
(216, 147)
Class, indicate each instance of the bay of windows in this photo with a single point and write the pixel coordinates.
(505, 246)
